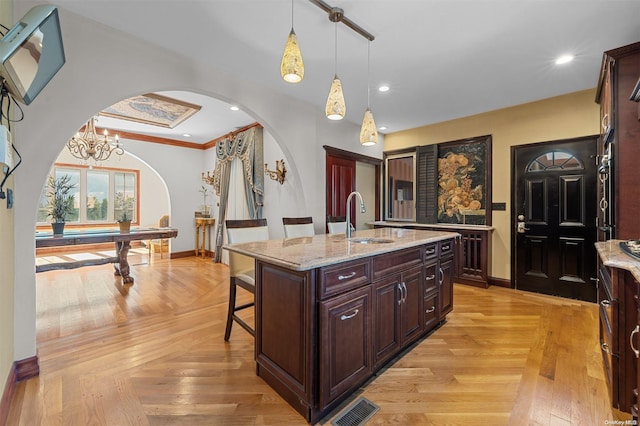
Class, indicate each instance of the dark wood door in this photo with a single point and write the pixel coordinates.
(554, 210)
(386, 334)
(341, 181)
(446, 286)
(411, 317)
(345, 355)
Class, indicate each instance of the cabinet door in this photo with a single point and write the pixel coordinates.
(386, 330)
(446, 287)
(345, 354)
(411, 296)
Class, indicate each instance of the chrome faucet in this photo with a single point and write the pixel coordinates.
(362, 210)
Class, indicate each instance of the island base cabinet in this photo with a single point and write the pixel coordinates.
(284, 333)
(446, 271)
(345, 354)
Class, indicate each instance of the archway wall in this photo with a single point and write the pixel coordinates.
(104, 66)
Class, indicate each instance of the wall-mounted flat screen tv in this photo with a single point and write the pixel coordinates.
(31, 53)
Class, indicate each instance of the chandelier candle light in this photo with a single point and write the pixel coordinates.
(90, 146)
(292, 66)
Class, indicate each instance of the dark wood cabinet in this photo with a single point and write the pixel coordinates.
(618, 190)
(398, 317)
(345, 345)
(446, 287)
(321, 333)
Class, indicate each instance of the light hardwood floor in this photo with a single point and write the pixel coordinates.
(153, 354)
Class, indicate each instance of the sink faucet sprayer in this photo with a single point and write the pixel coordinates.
(362, 210)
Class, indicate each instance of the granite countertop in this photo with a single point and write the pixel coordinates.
(612, 255)
(453, 226)
(301, 254)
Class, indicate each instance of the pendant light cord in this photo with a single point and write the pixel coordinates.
(369, 74)
(291, 14)
(335, 26)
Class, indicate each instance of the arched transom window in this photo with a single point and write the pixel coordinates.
(555, 160)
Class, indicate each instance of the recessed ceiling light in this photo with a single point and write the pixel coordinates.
(564, 59)
(186, 135)
(234, 108)
(383, 88)
(382, 128)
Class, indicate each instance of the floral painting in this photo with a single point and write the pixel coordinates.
(463, 182)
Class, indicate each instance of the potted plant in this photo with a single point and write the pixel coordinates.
(124, 205)
(205, 209)
(59, 201)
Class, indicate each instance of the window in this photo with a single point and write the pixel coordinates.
(555, 160)
(101, 195)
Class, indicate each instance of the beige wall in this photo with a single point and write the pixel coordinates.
(562, 117)
(6, 258)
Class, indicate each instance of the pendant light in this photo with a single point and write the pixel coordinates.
(368, 132)
(292, 67)
(336, 108)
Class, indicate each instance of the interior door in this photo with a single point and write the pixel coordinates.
(554, 211)
(341, 181)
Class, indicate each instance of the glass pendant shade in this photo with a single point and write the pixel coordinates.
(336, 108)
(292, 67)
(368, 132)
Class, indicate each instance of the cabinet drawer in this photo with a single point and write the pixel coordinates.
(431, 251)
(387, 264)
(431, 314)
(430, 279)
(343, 277)
(446, 248)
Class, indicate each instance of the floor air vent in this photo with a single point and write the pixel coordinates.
(357, 414)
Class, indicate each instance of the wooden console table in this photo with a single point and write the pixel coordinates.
(121, 240)
(203, 225)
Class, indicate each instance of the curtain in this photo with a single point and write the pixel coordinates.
(246, 147)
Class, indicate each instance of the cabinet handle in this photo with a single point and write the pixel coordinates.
(441, 276)
(635, 351)
(346, 277)
(400, 294)
(605, 348)
(430, 277)
(404, 286)
(431, 251)
(447, 247)
(432, 309)
(605, 303)
(346, 317)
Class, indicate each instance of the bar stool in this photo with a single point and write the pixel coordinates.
(242, 268)
(337, 224)
(295, 227)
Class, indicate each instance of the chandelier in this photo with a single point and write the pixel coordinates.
(89, 145)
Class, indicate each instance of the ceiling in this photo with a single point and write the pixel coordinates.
(442, 59)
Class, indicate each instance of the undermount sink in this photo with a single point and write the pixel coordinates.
(370, 240)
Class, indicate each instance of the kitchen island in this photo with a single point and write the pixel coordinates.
(331, 312)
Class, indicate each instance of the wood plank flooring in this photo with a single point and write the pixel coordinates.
(153, 354)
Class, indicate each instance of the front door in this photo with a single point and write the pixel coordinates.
(554, 209)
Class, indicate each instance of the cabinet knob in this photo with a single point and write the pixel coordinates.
(605, 347)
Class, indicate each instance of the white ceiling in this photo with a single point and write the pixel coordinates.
(443, 59)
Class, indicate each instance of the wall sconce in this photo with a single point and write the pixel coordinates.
(208, 179)
(278, 173)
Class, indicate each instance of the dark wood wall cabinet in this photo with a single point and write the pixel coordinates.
(321, 333)
(618, 191)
